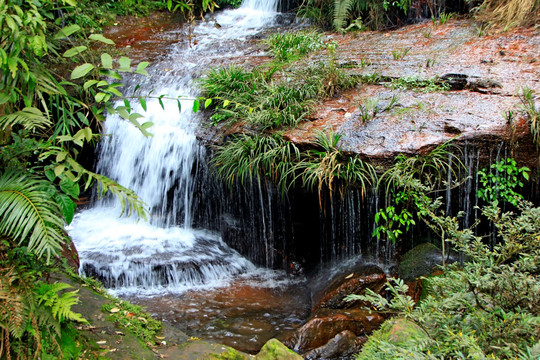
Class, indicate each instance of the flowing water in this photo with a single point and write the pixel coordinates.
(184, 275)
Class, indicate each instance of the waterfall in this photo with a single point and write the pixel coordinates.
(165, 252)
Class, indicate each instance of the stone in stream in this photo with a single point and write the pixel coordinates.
(343, 344)
(355, 281)
(325, 324)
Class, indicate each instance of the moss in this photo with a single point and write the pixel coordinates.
(419, 261)
(274, 350)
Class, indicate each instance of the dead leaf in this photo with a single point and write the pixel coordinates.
(114, 310)
(349, 276)
(101, 342)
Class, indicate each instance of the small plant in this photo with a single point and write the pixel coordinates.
(415, 83)
(500, 183)
(370, 108)
(527, 98)
(430, 63)
(390, 222)
(428, 33)
(400, 54)
(443, 18)
(293, 45)
(365, 63)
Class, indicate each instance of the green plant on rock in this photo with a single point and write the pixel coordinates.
(246, 158)
(528, 99)
(322, 169)
(134, 319)
(500, 183)
(290, 46)
(35, 316)
(415, 83)
(486, 308)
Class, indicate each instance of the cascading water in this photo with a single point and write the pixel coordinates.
(164, 253)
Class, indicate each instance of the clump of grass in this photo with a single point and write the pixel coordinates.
(527, 98)
(290, 46)
(509, 13)
(279, 97)
(415, 83)
(247, 158)
(400, 53)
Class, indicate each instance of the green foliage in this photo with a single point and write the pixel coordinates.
(488, 308)
(35, 315)
(400, 53)
(389, 223)
(290, 46)
(528, 99)
(500, 183)
(254, 157)
(337, 14)
(229, 3)
(134, 319)
(422, 85)
(29, 215)
(281, 97)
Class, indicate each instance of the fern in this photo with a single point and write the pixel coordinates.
(30, 118)
(29, 215)
(342, 9)
(60, 305)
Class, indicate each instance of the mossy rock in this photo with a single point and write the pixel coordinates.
(419, 261)
(398, 332)
(275, 350)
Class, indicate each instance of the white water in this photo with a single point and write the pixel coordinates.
(164, 254)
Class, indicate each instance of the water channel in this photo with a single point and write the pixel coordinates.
(184, 275)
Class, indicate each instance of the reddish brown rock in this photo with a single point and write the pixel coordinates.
(325, 324)
(354, 281)
(343, 344)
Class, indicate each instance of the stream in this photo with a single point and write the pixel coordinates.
(185, 276)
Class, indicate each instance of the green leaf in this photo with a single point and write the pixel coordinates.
(225, 103)
(196, 105)
(125, 64)
(29, 215)
(141, 68)
(207, 103)
(74, 51)
(106, 61)
(70, 188)
(142, 101)
(101, 38)
(179, 103)
(89, 84)
(67, 205)
(66, 31)
(61, 156)
(81, 70)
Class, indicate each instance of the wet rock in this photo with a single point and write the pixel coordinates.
(354, 281)
(421, 260)
(325, 324)
(197, 350)
(343, 344)
(275, 350)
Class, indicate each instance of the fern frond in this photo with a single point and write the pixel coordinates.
(341, 12)
(29, 215)
(29, 117)
(60, 305)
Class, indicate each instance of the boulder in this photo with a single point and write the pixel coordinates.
(325, 324)
(275, 350)
(353, 281)
(421, 260)
(343, 344)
